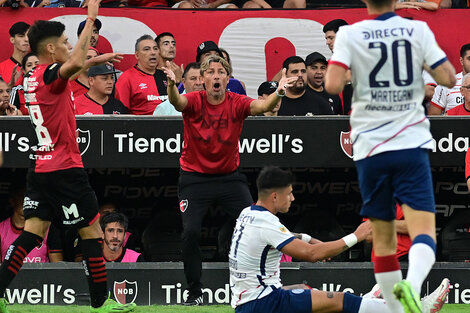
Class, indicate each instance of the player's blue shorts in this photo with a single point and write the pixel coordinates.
(403, 176)
(280, 301)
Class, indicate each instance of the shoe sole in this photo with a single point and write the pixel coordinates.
(404, 295)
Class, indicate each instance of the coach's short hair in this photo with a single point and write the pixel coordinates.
(464, 49)
(273, 177)
(114, 217)
(42, 30)
(292, 60)
(334, 25)
(215, 58)
(142, 38)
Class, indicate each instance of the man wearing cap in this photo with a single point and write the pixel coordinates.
(213, 120)
(316, 70)
(264, 90)
(138, 88)
(99, 99)
(300, 101)
(20, 43)
(192, 81)
(95, 35)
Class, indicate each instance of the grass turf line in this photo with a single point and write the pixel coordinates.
(448, 308)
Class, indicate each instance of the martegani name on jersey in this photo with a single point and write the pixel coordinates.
(391, 100)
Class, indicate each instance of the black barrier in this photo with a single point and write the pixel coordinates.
(151, 142)
(163, 283)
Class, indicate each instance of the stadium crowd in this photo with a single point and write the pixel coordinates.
(155, 85)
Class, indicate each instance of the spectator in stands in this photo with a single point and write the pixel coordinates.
(299, 100)
(234, 85)
(17, 94)
(264, 90)
(11, 228)
(464, 108)
(330, 29)
(80, 84)
(19, 40)
(269, 4)
(445, 98)
(99, 99)
(148, 3)
(5, 107)
(95, 34)
(137, 87)
(114, 227)
(192, 81)
(166, 45)
(205, 4)
(431, 5)
(213, 121)
(316, 70)
(108, 206)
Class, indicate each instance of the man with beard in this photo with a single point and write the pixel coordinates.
(213, 121)
(138, 88)
(299, 100)
(114, 226)
(95, 35)
(316, 69)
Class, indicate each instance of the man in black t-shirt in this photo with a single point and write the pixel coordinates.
(299, 100)
(316, 70)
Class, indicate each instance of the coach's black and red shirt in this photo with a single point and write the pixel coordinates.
(49, 99)
(211, 133)
(85, 105)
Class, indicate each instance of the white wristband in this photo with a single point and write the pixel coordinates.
(305, 237)
(350, 240)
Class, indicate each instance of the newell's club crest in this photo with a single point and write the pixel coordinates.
(83, 140)
(346, 144)
(125, 292)
(183, 205)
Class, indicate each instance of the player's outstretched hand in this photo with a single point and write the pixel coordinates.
(285, 82)
(170, 75)
(364, 231)
(93, 6)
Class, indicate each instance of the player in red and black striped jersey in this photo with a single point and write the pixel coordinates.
(57, 185)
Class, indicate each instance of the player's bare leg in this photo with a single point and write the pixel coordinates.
(386, 267)
(337, 302)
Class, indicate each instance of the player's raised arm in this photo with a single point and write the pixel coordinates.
(77, 59)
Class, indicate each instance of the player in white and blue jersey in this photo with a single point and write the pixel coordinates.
(255, 253)
(390, 135)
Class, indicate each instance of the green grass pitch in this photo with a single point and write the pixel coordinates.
(448, 308)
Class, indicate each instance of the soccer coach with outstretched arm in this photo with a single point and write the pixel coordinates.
(213, 121)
